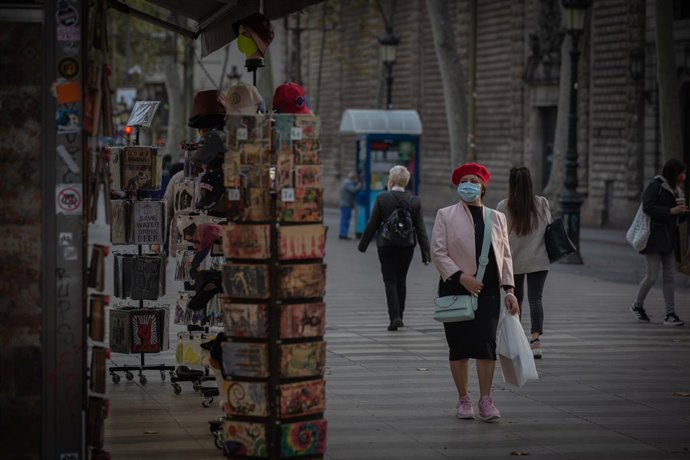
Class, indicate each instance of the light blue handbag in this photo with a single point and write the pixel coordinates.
(452, 308)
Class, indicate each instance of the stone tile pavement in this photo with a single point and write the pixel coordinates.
(609, 388)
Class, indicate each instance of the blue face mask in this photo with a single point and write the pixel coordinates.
(469, 192)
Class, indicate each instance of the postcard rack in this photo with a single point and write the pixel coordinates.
(273, 358)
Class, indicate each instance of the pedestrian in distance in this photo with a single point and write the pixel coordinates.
(348, 190)
(663, 201)
(395, 257)
(456, 243)
(528, 215)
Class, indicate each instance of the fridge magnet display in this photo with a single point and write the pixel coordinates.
(302, 359)
(245, 320)
(300, 281)
(241, 241)
(245, 398)
(302, 320)
(303, 398)
(244, 438)
(303, 438)
(301, 242)
(245, 359)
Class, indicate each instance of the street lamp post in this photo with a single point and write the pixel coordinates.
(389, 45)
(574, 12)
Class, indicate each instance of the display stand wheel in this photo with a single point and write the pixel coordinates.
(218, 439)
(115, 377)
(195, 385)
(207, 402)
(129, 376)
(142, 379)
(177, 389)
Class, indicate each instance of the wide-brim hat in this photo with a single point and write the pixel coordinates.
(470, 168)
(243, 99)
(208, 110)
(259, 28)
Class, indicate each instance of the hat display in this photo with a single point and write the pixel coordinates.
(289, 98)
(212, 144)
(208, 110)
(259, 28)
(470, 168)
(244, 99)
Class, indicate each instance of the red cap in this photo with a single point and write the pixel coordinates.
(289, 98)
(470, 168)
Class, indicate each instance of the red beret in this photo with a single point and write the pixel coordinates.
(470, 168)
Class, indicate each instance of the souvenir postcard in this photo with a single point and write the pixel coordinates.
(259, 206)
(231, 168)
(248, 128)
(97, 371)
(302, 320)
(115, 167)
(245, 320)
(254, 153)
(249, 281)
(308, 176)
(303, 438)
(303, 398)
(246, 241)
(244, 439)
(97, 304)
(301, 242)
(241, 359)
(303, 280)
(254, 176)
(310, 126)
(307, 207)
(284, 167)
(282, 131)
(148, 222)
(307, 151)
(137, 168)
(119, 222)
(245, 398)
(302, 359)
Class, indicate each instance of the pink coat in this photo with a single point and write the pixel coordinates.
(453, 246)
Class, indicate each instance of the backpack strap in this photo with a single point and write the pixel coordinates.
(484, 257)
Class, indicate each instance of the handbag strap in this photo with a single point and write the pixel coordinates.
(484, 257)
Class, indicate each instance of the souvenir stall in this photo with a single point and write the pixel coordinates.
(384, 138)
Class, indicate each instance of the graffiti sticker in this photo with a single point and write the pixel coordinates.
(68, 199)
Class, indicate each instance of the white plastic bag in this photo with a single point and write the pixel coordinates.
(514, 353)
(638, 233)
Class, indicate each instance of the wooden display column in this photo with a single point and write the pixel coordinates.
(274, 281)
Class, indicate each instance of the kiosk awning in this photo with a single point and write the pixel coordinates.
(360, 121)
(213, 18)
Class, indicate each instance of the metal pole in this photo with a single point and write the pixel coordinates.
(389, 85)
(571, 200)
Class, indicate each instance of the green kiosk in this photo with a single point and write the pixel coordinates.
(384, 138)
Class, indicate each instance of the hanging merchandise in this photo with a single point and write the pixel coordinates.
(136, 168)
(137, 222)
(139, 277)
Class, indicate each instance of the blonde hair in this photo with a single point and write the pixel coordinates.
(398, 176)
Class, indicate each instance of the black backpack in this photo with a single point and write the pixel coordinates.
(398, 229)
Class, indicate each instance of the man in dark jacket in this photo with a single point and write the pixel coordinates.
(395, 260)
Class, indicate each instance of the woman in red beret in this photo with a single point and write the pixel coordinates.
(456, 244)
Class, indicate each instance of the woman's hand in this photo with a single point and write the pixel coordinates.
(512, 303)
(680, 209)
(473, 286)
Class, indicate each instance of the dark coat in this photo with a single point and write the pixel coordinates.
(657, 201)
(384, 206)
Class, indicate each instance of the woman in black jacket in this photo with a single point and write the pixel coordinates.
(663, 201)
(395, 259)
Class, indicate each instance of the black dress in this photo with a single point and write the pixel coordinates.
(476, 338)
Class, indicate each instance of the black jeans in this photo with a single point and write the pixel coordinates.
(535, 287)
(395, 261)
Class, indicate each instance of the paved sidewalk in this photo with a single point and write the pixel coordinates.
(609, 388)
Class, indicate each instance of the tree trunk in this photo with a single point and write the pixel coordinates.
(669, 105)
(554, 188)
(176, 105)
(453, 78)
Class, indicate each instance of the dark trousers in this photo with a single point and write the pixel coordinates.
(535, 287)
(395, 261)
